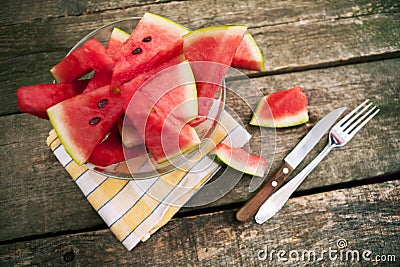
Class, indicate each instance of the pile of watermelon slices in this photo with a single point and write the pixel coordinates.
(87, 113)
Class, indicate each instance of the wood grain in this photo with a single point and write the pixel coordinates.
(286, 32)
(366, 217)
(38, 194)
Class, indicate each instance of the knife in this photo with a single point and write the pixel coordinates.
(291, 161)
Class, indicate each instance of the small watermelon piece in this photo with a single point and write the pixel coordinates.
(215, 44)
(90, 56)
(117, 38)
(109, 151)
(248, 55)
(36, 99)
(100, 78)
(282, 109)
(83, 121)
(241, 160)
(154, 41)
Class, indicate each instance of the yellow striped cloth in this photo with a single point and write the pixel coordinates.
(136, 209)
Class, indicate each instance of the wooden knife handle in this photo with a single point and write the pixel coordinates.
(269, 187)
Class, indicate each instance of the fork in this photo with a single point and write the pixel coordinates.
(340, 134)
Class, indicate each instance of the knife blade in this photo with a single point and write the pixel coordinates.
(291, 161)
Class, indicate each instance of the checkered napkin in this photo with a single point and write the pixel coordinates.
(129, 208)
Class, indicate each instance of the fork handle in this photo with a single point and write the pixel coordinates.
(280, 197)
(299, 178)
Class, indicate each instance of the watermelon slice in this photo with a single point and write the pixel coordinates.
(282, 109)
(173, 91)
(218, 45)
(36, 99)
(117, 38)
(128, 89)
(248, 55)
(83, 121)
(165, 136)
(241, 160)
(91, 55)
(154, 41)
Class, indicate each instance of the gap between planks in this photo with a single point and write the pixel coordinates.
(215, 209)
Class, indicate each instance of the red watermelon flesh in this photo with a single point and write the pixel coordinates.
(217, 45)
(241, 160)
(173, 91)
(248, 55)
(90, 56)
(36, 99)
(154, 41)
(117, 38)
(109, 151)
(128, 89)
(282, 109)
(83, 121)
(165, 136)
(100, 78)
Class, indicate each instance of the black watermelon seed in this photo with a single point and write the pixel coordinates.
(137, 51)
(102, 103)
(94, 121)
(146, 39)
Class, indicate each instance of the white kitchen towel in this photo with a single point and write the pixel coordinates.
(135, 209)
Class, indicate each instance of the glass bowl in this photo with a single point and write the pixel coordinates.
(143, 165)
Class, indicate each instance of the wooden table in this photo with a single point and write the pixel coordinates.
(341, 52)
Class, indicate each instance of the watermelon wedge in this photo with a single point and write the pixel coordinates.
(241, 160)
(173, 91)
(128, 89)
(165, 136)
(282, 109)
(117, 38)
(90, 56)
(36, 99)
(216, 45)
(154, 41)
(248, 55)
(83, 121)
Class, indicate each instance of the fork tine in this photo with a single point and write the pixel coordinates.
(351, 124)
(346, 118)
(363, 120)
(354, 114)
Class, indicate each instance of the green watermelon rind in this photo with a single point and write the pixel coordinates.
(118, 34)
(162, 22)
(298, 118)
(61, 134)
(182, 150)
(193, 36)
(288, 121)
(222, 152)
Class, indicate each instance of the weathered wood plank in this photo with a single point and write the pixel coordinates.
(14, 12)
(35, 181)
(290, 34)
(344, 222)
